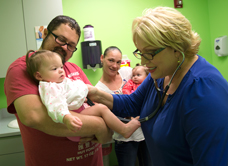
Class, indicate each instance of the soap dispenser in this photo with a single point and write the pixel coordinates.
(221, 46)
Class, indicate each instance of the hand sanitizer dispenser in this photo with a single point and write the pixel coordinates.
(221, 46)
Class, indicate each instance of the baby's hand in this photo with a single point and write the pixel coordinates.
(73, 123)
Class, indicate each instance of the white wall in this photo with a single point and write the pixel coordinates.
(18, 20)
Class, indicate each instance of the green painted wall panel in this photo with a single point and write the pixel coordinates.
(112, 21)
(218, 27)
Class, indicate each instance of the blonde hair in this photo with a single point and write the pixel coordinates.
(166, 27)
(34, 60)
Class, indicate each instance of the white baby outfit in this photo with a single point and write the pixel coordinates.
(59, 98)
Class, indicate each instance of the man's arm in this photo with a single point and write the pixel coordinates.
(33, 113)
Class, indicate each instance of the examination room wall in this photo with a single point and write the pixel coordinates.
(112, 25)
(218, 27)
(112, 20)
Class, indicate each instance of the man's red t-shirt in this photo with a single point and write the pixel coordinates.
(42, 149)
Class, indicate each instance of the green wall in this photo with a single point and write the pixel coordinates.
(112, 25)
(3, 103)
(112, 21)
(218, 27)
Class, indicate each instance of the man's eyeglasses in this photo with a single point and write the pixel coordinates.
(62, 41)
(148, 56)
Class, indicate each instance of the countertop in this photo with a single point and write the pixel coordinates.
(5, 119)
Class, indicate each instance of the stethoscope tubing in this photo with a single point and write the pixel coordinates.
(153, 113)
(160, 100)
(142, 119)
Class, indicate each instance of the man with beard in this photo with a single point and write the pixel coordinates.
(45, 141)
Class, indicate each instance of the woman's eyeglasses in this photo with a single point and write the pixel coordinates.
(148, 56)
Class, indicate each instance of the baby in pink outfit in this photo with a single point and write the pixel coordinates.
(139, 73)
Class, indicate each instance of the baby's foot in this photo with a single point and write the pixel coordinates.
(130, 128)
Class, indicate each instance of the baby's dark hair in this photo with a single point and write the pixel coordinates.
(34, 61)
(145, 68)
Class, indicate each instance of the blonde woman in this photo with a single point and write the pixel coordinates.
(189, 126)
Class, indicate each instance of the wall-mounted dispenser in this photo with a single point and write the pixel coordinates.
(91, 49)
(221, 46)
(88, 32)
(91, 52)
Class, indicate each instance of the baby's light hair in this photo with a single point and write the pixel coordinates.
(138, 66)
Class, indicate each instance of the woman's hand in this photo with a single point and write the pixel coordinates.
(92, 90)
(99, 96)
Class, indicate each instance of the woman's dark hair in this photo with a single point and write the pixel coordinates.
(57, 21)
(110, 49)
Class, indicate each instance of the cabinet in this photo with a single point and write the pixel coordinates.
(11, 151)
(18, 20)
(11, 146)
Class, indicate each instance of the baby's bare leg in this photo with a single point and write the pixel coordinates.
(112, 121)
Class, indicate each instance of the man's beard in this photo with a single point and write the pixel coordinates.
(61, 52)
(57, 49)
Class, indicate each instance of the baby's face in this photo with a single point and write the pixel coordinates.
(139, 75)
(52, 70)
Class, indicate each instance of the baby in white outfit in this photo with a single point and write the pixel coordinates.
(60, 94)
(59, 97)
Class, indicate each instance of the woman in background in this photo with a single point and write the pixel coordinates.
(112, 81)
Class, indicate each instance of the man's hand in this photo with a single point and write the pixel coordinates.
(101, 137)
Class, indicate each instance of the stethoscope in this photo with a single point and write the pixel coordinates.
(160, 98)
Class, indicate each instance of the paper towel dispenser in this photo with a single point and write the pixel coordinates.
(91, 52)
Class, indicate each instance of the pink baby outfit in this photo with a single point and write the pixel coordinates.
(129, 87)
